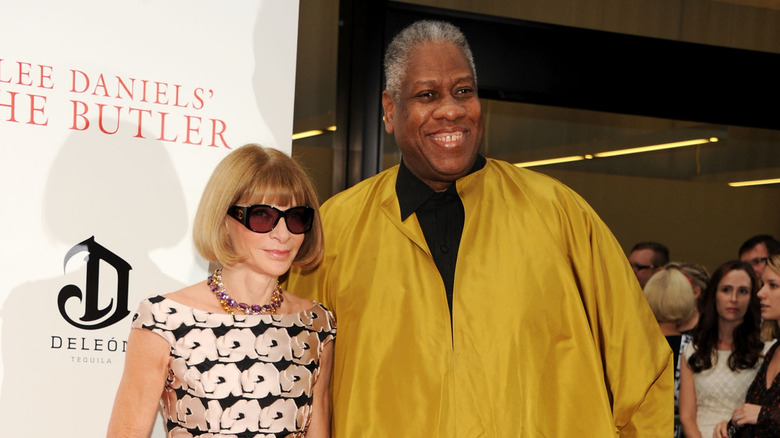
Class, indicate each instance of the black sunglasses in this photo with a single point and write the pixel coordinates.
(262, 218)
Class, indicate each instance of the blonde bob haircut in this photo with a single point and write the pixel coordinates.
(252, 175)
(670, 295)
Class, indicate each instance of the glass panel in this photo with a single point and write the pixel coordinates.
(518, 132)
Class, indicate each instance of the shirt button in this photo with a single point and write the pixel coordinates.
(444, 249)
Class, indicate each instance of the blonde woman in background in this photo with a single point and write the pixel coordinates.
(670, 295)
(671, 298)
(757, 250)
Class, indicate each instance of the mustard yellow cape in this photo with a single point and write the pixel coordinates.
(550, 336)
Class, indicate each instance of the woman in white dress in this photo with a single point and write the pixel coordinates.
(726, 350)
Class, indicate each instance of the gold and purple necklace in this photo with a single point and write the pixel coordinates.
(232, 307)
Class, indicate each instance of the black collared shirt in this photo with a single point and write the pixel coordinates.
(441, 216)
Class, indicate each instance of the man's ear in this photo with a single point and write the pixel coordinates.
(388, 103)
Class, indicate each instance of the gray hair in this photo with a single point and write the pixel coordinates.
(416, 34)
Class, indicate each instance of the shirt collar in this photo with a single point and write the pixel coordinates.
(412, 193)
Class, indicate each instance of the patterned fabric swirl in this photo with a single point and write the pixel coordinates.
(247, 376)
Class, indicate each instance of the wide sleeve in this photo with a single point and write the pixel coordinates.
(636, 359)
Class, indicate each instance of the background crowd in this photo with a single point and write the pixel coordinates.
(721, 328)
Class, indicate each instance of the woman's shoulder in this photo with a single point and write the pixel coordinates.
(323, 319)
(158, 311)
(296, 304)
(188, 307)
(196, 296)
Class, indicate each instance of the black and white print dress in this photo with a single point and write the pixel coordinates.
(247, 376)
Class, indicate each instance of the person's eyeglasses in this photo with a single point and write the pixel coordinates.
(262, 218)
(638, 267)
(759, 261)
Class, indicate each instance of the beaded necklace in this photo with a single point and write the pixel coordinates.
(231, 306)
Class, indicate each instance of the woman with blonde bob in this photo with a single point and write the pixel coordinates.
(236, 355)
(670, 294)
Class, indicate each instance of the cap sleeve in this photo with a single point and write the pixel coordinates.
(148, 317)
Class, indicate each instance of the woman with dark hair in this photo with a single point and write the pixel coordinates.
(726, 350)
(759, 417)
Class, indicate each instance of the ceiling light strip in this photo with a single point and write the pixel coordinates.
(307, 134)
(758, 182)
(313, 133)
(550, 161)
(657, 147)
(615, 153)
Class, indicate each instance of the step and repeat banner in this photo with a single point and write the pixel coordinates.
(112, 117)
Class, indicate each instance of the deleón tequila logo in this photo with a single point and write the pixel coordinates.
(94, 317)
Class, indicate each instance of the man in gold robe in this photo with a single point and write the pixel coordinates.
(474, 298)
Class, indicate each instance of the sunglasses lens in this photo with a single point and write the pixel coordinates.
(262, 218)
(299, 219)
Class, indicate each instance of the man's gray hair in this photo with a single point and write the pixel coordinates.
(416, 34)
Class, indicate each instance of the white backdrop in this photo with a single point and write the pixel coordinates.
(112, 116)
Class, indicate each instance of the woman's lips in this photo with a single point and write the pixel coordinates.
(278, 254)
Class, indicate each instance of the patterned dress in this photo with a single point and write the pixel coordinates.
(768, 425)
(247, 376)
(719, 390)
